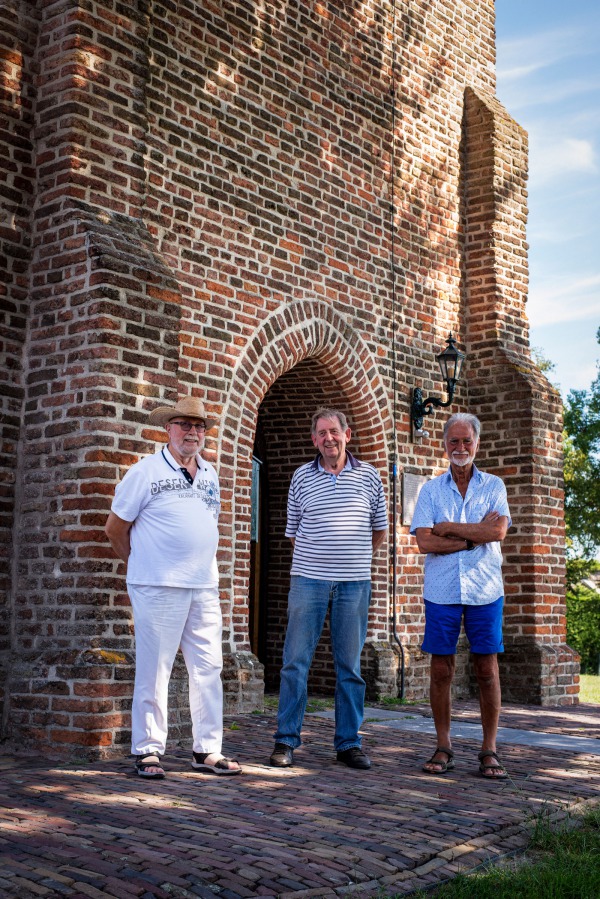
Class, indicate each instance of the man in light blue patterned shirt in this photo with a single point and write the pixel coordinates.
(460, 519)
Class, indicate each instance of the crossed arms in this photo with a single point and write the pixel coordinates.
(450, 536)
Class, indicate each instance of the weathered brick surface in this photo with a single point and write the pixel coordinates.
(316, 830)
(18, 35)
(200, 198)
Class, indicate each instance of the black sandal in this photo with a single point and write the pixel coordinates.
(151, 760)
(221, 766)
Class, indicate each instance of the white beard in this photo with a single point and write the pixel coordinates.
(462, 462)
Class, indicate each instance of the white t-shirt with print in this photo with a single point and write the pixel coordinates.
(174, 534)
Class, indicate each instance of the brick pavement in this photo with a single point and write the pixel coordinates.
(93, 829)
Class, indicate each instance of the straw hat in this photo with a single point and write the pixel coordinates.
(187, 406)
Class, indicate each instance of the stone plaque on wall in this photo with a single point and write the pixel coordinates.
(411, 486)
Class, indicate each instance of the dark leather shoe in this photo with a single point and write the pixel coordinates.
(282, 757)
(354, 758)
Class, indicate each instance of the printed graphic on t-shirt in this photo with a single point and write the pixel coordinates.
(168, 484)
(206, 491)
(210, 495)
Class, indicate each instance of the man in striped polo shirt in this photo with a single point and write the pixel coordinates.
(337, 518)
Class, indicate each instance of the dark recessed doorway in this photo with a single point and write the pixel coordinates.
(282, 443)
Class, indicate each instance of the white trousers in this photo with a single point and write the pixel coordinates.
(166, 618)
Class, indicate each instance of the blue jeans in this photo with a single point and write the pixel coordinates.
(308, 602)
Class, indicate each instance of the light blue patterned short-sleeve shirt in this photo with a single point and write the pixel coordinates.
(470, 577)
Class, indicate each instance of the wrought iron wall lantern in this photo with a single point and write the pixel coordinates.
(450, 361)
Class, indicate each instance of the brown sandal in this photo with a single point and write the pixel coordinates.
(444, 766)
(491, 754)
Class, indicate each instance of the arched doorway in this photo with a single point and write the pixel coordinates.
(282, 443)
(304, 355)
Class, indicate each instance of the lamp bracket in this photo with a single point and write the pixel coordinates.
(420, 407)
(450, 362)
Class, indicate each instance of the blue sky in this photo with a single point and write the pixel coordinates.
(548, 67)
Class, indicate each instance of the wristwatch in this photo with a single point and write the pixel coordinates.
(470, 544)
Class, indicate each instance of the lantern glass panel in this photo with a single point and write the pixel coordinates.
(450, 362)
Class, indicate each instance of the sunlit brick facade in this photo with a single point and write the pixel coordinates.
(197, 197)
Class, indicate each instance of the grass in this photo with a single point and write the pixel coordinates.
(392, 702)
(319, 704)
(313, 703)
(589, 689)
(561, 863)
(325, 703)
(271, 702)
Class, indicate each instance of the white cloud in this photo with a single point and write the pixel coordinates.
(580, 377)
(548, 67)
(517, 72)
(523, 56)
(563, 213)
(552, 231)
(550, 158)
(548, 92)
(549, 80)
(570, 371)
(565, 300)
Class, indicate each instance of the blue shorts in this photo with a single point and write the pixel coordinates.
(483, 627)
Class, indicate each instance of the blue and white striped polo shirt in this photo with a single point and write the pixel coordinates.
(332, 520)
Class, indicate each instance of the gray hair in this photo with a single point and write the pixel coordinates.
(324, 412)
(465, 418)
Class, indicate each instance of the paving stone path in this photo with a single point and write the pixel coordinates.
(94, 829)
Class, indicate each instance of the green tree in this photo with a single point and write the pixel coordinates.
(582, 478)
(541, 360)
(583, 625)
(582, 519)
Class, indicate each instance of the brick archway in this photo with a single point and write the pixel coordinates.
(299, 332)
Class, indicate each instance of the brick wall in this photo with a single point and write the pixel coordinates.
(18, 35)
(204, 205)
(520, 411)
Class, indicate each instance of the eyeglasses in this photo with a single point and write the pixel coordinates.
(187, 425)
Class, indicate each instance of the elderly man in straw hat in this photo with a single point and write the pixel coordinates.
(163, 524)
